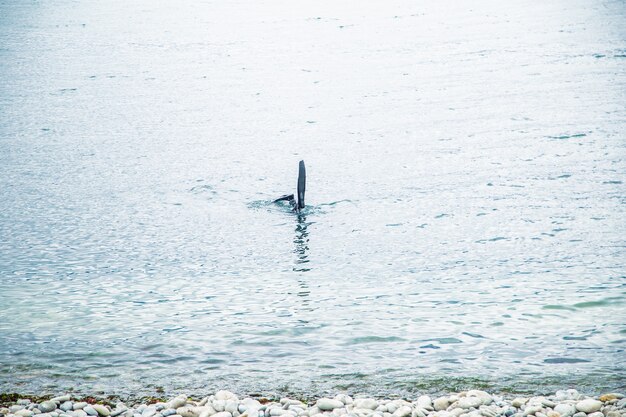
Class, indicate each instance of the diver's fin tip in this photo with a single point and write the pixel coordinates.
(301, 184)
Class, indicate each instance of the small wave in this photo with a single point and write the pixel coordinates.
(374, 339)
(568, 136)
(565, 360)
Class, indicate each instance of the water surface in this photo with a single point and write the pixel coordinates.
(465, 187)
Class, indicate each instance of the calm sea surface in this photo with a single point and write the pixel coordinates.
(466, 199)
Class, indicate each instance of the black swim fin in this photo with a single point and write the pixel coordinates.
(301, 185)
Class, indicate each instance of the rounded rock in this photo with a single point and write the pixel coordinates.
(23, 413)
(519, 402)
(367, 403)
(177, 402)
(589, 406)
(67, 406)
(90, 411)
(101, 410)
(441, 403)
(469, 402)
(424, 401)
(565, 409)
(328, 404)
(225, 395)
(47, 406)
(403, 411)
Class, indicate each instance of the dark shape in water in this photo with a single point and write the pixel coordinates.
(299, 205)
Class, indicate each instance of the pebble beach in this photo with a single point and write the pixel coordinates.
(472, 403)
(463, 233)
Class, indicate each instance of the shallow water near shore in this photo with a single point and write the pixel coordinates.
(465, 198)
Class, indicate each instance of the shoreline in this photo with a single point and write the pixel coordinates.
(471, 403)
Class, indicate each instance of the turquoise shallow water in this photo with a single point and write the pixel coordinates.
(465, 223)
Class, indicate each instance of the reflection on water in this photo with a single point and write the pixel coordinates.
(301, 241)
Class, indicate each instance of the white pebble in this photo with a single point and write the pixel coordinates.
(61, 398)
(177, 402)
(403, 411)
(441, 403)
(469, 402)
(368, 403)
(424, 401)
(328, 404)
(225, 395)
(588, 406)
(102, 410)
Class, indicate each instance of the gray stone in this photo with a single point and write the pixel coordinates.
(80, 405)
(580, 414)
(168, 412)
(23, 413)
(90, 410)
(67, 406)
(47, 406)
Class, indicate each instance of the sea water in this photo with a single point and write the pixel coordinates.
(465, 197)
